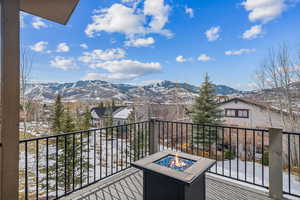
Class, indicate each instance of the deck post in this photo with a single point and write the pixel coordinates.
(275, 164)
(153, 137)
(9, 98)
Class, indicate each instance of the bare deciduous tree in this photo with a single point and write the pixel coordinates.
(26, 64)
(276, 79)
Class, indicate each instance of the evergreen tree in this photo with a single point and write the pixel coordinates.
(108, 120)
(57, 115)
(68, 159)
(205, 111)
(108, 115)
(132, 115)
(68, 122)
(86, 125)
(139, 136)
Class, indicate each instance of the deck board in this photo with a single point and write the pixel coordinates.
(128, 185)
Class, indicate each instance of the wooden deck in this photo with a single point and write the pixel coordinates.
(128, 185)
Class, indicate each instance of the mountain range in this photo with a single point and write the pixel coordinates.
(97, 90)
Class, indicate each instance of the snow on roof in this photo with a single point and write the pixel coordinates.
(122, 113)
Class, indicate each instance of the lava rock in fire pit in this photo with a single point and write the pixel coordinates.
(176, 163)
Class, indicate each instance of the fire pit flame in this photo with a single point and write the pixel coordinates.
(175, 162)
(178, 163)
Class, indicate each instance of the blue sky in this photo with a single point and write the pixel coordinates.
(143, 41)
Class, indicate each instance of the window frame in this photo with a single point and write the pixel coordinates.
(236, 111)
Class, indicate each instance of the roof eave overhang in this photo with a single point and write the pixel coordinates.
(58, 11)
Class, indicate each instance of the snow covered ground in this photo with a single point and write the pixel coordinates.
(261, 174)
(35, 128)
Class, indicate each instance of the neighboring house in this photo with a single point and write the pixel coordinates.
(249, 113)
(119, 115)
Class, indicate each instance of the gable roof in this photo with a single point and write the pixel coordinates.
(247, 101)
(100, 111)
(122, 113)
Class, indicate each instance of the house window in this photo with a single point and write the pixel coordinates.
(237, 113)
(243, 113)
(230, 113)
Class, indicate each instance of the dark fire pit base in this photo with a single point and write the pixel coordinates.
(164, 183)
(160, 187)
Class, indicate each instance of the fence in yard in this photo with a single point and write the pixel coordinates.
(55, 166)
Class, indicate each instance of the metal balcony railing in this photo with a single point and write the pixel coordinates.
(55, 166)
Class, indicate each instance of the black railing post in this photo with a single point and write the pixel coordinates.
(153, 136)
(275, 163)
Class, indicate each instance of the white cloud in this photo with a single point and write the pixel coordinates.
(213, 33)
(84, 46)
(39, 46)
(181, 59)
(253, 32)
(63, 63)
(140, 42)
(130, 67)
(160, 14)
(189, 11)
(124, 70)
(98, 56)
(117, 18)
(264, 10)
(62, 47)
(37, 23)
(131, 21)
(204, 58)
(239, 52)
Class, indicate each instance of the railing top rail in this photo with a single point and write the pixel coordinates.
(216, 125)
(290, 133)
(78, 132)
(158, 120)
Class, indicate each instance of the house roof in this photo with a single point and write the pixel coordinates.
(122, 113)
(100, 111)
(58, 11)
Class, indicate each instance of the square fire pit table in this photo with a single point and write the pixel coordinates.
(164, 180)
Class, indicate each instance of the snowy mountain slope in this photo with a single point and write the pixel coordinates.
(162, 92)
